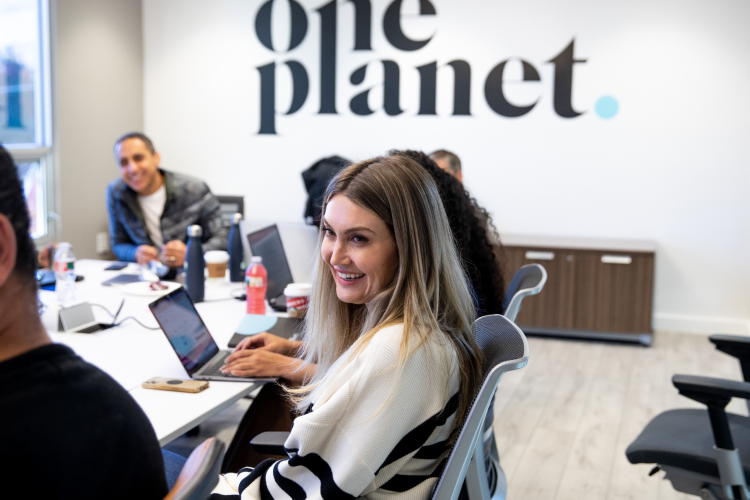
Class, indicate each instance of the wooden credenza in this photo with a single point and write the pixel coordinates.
(595, 288)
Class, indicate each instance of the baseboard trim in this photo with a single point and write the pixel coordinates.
(645, 339)
(700, 324)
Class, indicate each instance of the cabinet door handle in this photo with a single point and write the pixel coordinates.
(616, 259)
(532, 255)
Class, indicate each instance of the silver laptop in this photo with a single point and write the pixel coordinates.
(190, 339)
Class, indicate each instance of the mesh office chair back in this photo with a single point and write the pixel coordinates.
(528, 280)
(504, 348)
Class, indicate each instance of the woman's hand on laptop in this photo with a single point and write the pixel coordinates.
(268, 342)
(256, 363)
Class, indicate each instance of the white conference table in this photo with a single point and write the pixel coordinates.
(131, 354)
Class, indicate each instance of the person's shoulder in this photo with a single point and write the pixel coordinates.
(57, 375)
(33, 363)
(185, 182)
(81, 375)
(116, 187)
(386, 345)
(75, 375)
(391, 334)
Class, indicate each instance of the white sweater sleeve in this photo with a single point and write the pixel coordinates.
(364, 432)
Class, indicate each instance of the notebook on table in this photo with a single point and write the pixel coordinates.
(122, 279)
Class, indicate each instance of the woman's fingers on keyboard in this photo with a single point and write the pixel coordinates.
(255, 363)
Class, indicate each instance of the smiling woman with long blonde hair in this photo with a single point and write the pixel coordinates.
(389, 330)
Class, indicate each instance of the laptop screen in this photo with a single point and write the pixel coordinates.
(266, 243)
(185, 329)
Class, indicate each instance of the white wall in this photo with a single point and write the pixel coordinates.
(669, 167)
(98, 92)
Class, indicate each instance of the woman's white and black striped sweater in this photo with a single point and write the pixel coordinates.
(373, 432)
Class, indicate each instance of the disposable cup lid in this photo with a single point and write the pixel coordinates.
(298, 290)
(216, 257)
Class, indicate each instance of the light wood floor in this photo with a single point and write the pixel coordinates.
(563, 422)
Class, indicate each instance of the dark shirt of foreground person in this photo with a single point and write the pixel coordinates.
(67, 430)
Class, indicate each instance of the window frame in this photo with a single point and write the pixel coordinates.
(44, 150)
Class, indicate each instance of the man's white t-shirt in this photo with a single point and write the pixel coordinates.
(153, 206)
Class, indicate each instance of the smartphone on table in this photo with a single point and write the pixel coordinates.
(175, 384)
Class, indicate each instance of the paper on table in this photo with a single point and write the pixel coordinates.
(255, 323)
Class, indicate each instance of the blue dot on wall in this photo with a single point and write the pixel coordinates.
(607, 107)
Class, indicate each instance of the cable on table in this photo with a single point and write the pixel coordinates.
(136, 320)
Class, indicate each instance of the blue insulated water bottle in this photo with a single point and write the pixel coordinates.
(194, 264)
(236, 264)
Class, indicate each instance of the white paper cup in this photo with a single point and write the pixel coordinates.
(297, 299)
(216, 263)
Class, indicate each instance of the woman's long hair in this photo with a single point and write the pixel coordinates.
(428, 293)
(476, 237)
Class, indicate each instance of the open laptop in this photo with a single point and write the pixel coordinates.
(266, 243)
(190, 339)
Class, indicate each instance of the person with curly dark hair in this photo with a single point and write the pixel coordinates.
(475, 235)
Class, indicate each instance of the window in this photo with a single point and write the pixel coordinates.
(24, 104)
(32, 176)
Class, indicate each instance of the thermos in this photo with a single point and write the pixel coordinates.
(236, 264)
(194, 264)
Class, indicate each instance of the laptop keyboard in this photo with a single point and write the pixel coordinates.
(214, 369)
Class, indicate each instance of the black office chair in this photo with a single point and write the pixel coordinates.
(704, 453)
(504, 347)
(230, 205)
(200, 474)
(528, 280)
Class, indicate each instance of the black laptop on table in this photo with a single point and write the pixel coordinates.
(190, 339)
(266, 243)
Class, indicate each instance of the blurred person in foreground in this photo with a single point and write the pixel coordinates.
(389, 364)
(150, 208)
(67, 429)
(268, 355)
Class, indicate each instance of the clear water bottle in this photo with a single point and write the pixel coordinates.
(256, 283)
(65, 274)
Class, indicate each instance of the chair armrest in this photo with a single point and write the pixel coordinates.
(711, 391)
(270, 443)
(734, 345)
(715, 393)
